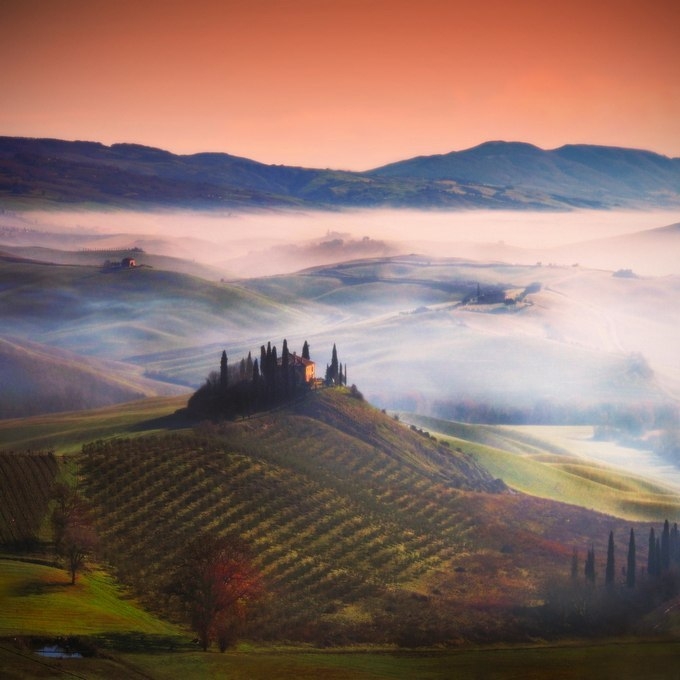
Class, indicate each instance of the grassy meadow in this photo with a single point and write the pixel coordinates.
(67, 432)
(39, 600)
(538, 462)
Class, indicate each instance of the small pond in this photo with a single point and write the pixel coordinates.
(58, 652)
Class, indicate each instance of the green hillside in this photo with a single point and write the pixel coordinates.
(44, 602)
(67, 432)
(537, 466)
(363, 529)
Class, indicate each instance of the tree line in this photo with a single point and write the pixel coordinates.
(618, 600)
(255, 384)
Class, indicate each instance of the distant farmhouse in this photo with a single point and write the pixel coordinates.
(304, 369)
(127, 256)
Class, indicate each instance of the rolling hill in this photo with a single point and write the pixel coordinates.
(116, 313)
(418, 340)
(37, 379)
(364, 529)
(49, 172)
(542, 341)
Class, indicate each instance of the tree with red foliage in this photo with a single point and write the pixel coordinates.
(215, 580)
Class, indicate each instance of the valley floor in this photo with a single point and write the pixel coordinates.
(626, 660)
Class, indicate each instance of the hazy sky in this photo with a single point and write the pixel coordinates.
(342, 83)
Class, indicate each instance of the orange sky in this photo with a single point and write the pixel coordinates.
(342, 83)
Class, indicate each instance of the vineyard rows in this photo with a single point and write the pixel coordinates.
(26, 482)
(330, 517)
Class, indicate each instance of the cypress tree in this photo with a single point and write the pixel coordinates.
(610, 572)
(284, 367)
(651, 554)
(305, 351)
(675, 545)
(574, 564)
(224, 370)
(590, 565)
(631, 565)
(334, 365)
(273, 368)
(263, 362)
(666, 547)
(249, 366)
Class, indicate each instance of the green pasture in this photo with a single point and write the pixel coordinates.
(631, 661)
(542, 468)
(624, 661)
(67, 432)
(39, 600)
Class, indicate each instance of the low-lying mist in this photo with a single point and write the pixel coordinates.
(266, 243)
(585, 305)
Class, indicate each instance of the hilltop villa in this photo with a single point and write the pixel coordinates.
(305, 369)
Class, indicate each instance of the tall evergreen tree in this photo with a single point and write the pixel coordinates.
(224, 370)
(666, 547)
(651, 554)
(610, 569)
(675, 545)
(249, 366)
(268, 374)
(631, 565)
(263, 362)
(305, 351)
(285, 360)
(590, 565)
(574, 564)
(273, 371)
(334, 366)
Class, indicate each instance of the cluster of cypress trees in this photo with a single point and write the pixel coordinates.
(664, 550)
(335, 374)
(251, 385)
(663, 555)
(621, 604)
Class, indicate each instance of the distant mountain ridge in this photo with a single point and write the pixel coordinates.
(593, 173)
(508, 175)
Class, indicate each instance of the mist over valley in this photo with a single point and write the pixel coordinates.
(519, 312)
